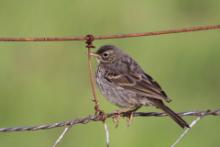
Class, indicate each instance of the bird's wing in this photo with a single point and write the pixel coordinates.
(141, 83)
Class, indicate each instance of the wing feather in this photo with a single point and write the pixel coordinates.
(143, 84)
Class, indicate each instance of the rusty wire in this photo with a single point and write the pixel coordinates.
(89, 45)
(116, 36)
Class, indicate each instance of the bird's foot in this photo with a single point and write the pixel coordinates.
(128, 112)
(129, 118)
(116, 117)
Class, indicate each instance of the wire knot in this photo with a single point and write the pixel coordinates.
(89, 40)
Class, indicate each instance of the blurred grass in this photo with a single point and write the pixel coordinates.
(48, 82)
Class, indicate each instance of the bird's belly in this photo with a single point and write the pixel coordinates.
(117, 95)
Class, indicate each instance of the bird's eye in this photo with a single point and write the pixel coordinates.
(105, 54)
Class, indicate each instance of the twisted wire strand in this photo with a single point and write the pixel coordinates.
(90, 118)
(115, 36)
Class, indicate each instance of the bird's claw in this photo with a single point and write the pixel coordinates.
(129, 118)
(116, 118)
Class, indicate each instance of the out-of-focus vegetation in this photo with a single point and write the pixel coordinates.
(48, 82)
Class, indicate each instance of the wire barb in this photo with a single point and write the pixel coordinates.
(89, 40)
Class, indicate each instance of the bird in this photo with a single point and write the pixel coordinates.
(124, 83)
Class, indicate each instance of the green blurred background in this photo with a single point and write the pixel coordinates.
(48, 82)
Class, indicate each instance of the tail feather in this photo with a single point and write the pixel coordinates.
(182, 123)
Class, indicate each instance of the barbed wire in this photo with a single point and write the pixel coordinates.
(116, 36)
(101, 117)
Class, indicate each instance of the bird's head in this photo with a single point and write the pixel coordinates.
(107, 54)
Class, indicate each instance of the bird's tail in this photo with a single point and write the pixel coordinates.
(182, 123)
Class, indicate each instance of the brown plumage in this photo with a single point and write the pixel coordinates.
(125, 84)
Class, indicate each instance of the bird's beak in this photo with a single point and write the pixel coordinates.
(95, 55)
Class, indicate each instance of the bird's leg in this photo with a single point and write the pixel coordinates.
(116, 118)
(117, 115)
(129, 118)
(130, 115)
(127, 112)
